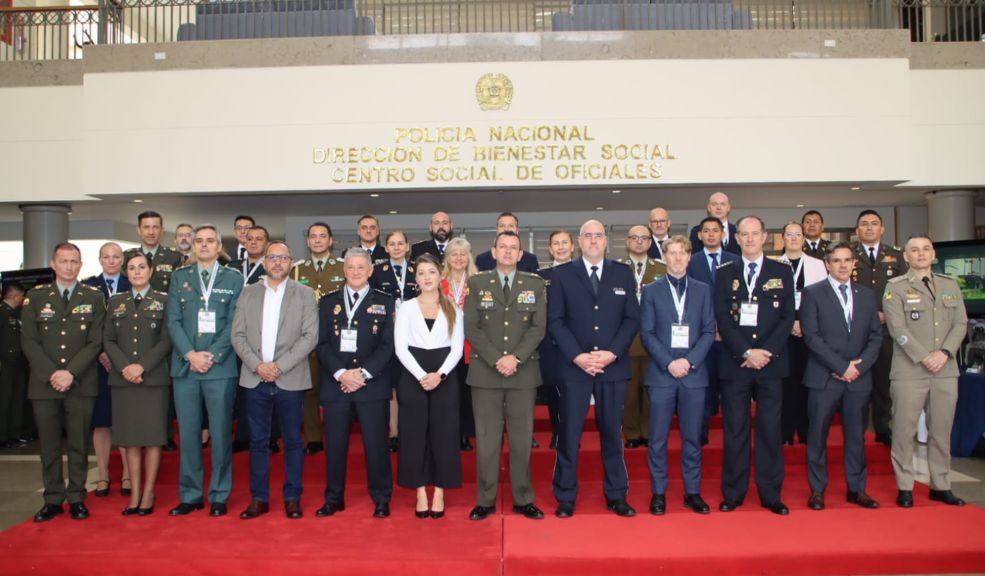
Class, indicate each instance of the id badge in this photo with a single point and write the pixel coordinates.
(749, 314)
(206, 322)
(679, 335)
(796, 300)
(347, 343)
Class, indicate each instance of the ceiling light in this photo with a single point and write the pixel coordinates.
(800, 205)
(617, 191)
(137, 200)
(393, 211)
(374, 195)
(856, 187)
(599, 208)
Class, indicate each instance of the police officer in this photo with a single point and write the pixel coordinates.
(927, 320)
(251, 267)
(636, 412)
(561, 246)
(505, 320)
(323, 274)
(13, 367)
(876, 264)
(164, 260)
(813, 223)
(62, 335)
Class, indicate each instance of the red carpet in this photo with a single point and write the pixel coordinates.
(841, 540)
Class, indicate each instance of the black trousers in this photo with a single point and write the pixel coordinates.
(795, 393)
(737, 395)
(466, 418)
(882, 402)
(373, 424)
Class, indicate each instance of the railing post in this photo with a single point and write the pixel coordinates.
(102, 27)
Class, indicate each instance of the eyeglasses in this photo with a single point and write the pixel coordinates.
(242, 228)
(636, 238)
(659, 221)
(275, 258)
(593, 235)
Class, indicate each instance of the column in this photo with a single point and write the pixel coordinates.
(951, 214)
(45, 226)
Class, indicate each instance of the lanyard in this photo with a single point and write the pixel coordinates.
(207, 292)
(755, 277)
(457, 290)
(247, 271)
(402, 279)
(678, 301)
(639, 278)
(349, 308)
(846, 306)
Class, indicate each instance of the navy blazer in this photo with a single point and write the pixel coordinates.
(581, 321)
(733, 243)
(528, 262)
(550, 356)
(831, 345)
(657, 314)
(98, 281)
(373, 323)
(698, 267)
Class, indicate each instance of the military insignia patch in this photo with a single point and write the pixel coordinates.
(47, 311)
(337, 310)
(735, 285)
(902, 340)
(82, 309)
(773, 284)
(378, 309)
(914, 315)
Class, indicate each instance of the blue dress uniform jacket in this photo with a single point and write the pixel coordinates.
(657, 314)
(385, 278)
(528, 262)
(184, 301)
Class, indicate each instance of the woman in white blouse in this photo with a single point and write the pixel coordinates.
(429, 336)
(458, 267)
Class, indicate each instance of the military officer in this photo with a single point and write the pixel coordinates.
(636, 412)
(13, 366)
(165, 260)
(62, 329)
(395, 275)
(876, 264)
(251, 267)
(323, 274)
(368, 229)
(203, 365)
(505, 320)
(813, 223)
(927, 320)
(561, 247)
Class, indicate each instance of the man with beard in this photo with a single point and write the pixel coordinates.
(183, 234)
(442, 229)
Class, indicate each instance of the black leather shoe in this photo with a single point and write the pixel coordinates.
(382, 510)
(481, 512)
(885, 438)
(778, 508)
(255, 509)
(128, 511)
(905, 499)
(658, 505)
(553, 444)
(78, 511)
(186, 508)
(620, 507)
(565, 510)
(816, 501)
(633, 443)
(292, 509)
(530, 511)
(696, 503)
(145, 511)
(862, 499)
(48, 511)
(728, 505)
(313, 448)
(947, 497)
(217, 509)
(422, 514)
(240, 446)
(329, 509)
(466, 444)
(395, 444)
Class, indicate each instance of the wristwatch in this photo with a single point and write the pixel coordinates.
(745, 354)
(442, 376)
(947, 353)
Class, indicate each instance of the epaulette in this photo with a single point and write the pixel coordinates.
(180, 268)
(238, 273)
(485, 272)
(623, 263)
(539, 270)
(159, 293)
(332, 261)
(896, 279)
(381, 292)
(92, 288)
(166, 248)
(724, 264)
(420, 243)
(336, 291)
(41, 287)
(532, 274)
(939, 275)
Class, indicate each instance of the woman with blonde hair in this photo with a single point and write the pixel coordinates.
(458, 267)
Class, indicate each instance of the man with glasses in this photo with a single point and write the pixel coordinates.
(442, 229)
(241, 227)
(659, 231)
(593, 315)
(183, 234)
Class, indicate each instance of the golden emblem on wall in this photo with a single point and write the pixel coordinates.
(494, 92)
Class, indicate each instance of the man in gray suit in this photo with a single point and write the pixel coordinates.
(274, 330)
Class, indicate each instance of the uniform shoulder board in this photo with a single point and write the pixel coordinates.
(40, 287)
(186, 266)
(332, 261)
(159, 293)
(301, 263)
(529, 274)
(91, 288)
(896, 279)
(238, 273)
(168, 249)
(626, 264)
(724, 264)
(896, 248)
(939, 275)
(421, 242)
(336, 291)
(544, 269)
(381, 292)
(485, 272)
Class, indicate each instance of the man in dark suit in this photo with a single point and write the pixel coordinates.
(560, 247)
(719, 207)
(355, 345)
(704, 266)
(593, 316)
(754, 308)
(876, 264)
(813, 224)
(659, 226)
(840, 323)
(677, 324)
(507, 222)
(441, 230)
(368, 229)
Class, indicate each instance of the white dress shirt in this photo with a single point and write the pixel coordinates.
(410, 330)
(846, 307)
(272, 300)
(588, 267)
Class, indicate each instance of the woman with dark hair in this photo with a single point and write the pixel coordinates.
(429, 336)
(137, 342)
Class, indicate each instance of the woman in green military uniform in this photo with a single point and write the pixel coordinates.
(137, 342)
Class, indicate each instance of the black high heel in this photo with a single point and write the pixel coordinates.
(422, 513)
(102, 493)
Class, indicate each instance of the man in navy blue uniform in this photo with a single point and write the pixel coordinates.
(593, 316)
(507, 222)
(754, 307)
(561, 247)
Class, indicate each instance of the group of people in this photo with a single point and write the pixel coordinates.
(427, 346)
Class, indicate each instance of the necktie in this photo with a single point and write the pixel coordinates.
(872, 255)
(844, 292)
(205, 276)
(150, 257)
(813, 246)
(441, 249)
(242, 253)
(595, 280)
(506, 288)
(926, 282)
(137, 300)
(398, 270)
(65, 296)
(109, 284)
(714, 263)
(353, 298)
(752, 275)
(319, 266)
(639, 267)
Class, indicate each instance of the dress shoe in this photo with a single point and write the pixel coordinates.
(565, 509)
(131, 511)
(885, 438)
(816, 501)
(530, 511)
(696, 503)
(633, 443)
(947, 497)
(422, 514)
(728, 505)
(256, 508)
(48, 511)
(553, 444)
(313, 448)
(240, 446)
(534, 443)
(658, 505)
(466, 444)
(395, 444)
(124, 490)
(862, 499)
(78, 511)
(437, 514)
(905, 499)
(481, 512)
(292, 509)
(381, 510)
(620, 507)
(101, 492)
(778, 508)
(329, 509)
(217, 509)
(186, 508)
(145, 511)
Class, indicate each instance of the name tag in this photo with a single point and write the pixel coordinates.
(206, 322)
(347, 341)
(796, 300)
(680, 335)
(749, 314)
(619, 291)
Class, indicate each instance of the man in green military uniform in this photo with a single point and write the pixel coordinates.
(505, 319)
(876, 264)
(201, 304)
(927, 321)
(62, 334)
(150, 228)
(323, 274)
(13, 367)
(636, 412)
